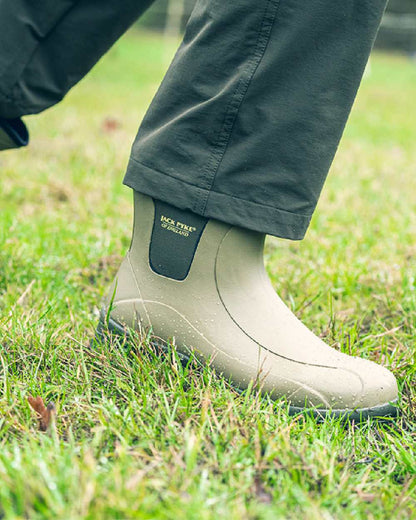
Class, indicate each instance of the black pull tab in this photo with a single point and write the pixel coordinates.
(175, 237)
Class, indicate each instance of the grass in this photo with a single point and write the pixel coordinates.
(140, 437)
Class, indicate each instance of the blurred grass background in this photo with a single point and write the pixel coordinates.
(138, 438)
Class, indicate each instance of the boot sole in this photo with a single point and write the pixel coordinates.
(383, 412)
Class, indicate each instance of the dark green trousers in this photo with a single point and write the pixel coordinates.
(247, 120)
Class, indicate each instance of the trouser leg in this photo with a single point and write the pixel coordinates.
(47, 46)
(248, 118)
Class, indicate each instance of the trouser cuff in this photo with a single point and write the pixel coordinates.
(232, 210)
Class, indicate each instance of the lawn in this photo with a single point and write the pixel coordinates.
(140, 437)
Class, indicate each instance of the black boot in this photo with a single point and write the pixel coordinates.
(13, 133)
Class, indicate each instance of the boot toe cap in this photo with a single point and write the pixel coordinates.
(379, 386)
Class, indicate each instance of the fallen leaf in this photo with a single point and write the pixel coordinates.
(110, 124)
(45, 413)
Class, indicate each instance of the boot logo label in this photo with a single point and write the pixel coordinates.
(175, 226)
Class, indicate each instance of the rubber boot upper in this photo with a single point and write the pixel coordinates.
(226, 311)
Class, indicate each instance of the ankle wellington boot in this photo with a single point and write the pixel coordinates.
(13, 134)
(203, 283)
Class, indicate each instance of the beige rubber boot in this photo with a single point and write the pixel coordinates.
(224, 308)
